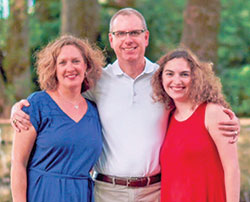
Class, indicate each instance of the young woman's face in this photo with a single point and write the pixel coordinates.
(70, 67)
(176, 79)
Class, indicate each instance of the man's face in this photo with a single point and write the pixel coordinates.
(128, 48)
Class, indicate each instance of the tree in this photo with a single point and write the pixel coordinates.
(16, 62)
(120, 3)
(201, 26)
(80, 18)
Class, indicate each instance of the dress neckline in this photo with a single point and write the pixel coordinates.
(191, 115)
(61, 110)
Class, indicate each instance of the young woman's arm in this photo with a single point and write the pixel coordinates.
(228, 152)
(22, 145)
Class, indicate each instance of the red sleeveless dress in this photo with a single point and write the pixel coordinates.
(190, 163)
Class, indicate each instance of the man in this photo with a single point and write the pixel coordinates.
(133, 125)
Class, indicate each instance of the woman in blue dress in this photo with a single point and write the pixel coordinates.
(51, 161)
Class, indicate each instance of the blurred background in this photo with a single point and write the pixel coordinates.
(216, 30)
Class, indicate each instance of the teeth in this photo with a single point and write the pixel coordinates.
(129, 48)
(71, 76)
(177, 88)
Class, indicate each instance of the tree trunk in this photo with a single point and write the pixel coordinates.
(80, 18)
(16, 62)
(120, 3)
(43, 10)
(201, 26)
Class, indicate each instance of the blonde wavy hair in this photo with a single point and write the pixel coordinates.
(46, 62)
(205, 86)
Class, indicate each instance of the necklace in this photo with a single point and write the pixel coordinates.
(76, 106)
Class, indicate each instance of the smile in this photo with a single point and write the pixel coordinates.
(129, 49)
(71, 76)
(177, 88)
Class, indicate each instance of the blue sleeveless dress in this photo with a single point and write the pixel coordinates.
(64, 152)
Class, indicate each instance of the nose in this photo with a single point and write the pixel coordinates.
(128, 38)
(176, 79)
(70, 66)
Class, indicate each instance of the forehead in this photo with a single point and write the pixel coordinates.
(127, 22)
(69, 50)
(177, 64)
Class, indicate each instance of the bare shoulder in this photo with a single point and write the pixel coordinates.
(216, 111)
(215, 114)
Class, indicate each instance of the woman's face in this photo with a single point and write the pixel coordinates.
(70, 67)
(176, 79)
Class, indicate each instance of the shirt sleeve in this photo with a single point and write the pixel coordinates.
(89, 94)
(33, 111)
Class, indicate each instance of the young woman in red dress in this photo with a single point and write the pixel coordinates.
(198, 164)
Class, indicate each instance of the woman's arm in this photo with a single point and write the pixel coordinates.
(22, 145)
(228, 152)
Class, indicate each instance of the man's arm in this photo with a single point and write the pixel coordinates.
(19, 119)
(230, 127)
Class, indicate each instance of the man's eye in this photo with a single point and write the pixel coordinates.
(76, 61)
(120, 34)
(134, 33)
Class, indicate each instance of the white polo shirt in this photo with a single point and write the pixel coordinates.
(133, 125)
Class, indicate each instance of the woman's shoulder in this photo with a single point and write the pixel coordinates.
(92, 108)
(215, 113)
(91, 104)
(213, 108)
(37, 96)
(38, 100)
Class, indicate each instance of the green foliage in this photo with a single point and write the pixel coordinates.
(43, 29)
(165, 23)
(236, 85)
(3, 32)
(234, 41)
(103, 41)
(164, 20)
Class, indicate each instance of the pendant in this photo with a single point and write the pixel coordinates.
(76, 106)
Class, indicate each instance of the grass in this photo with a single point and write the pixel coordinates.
(244, 159)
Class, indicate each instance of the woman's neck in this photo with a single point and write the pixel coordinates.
(69, 95)
(184, 110)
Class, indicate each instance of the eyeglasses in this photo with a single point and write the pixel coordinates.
(123, 34)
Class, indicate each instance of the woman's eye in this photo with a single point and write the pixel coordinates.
(76, 61)
(185, 74)
(62, 62)
(169, 74)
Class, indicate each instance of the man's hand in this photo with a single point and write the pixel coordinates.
(230, 128)
(19, 119)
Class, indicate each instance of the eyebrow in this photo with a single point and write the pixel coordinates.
(75, 57)
(168, 70)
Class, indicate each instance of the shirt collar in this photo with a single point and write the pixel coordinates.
(149, 67)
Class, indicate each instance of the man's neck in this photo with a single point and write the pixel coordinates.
(133, 69)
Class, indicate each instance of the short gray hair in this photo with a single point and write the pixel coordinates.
(127, 11)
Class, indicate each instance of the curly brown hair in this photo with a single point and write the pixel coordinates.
(46, 62)
(205, 85)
